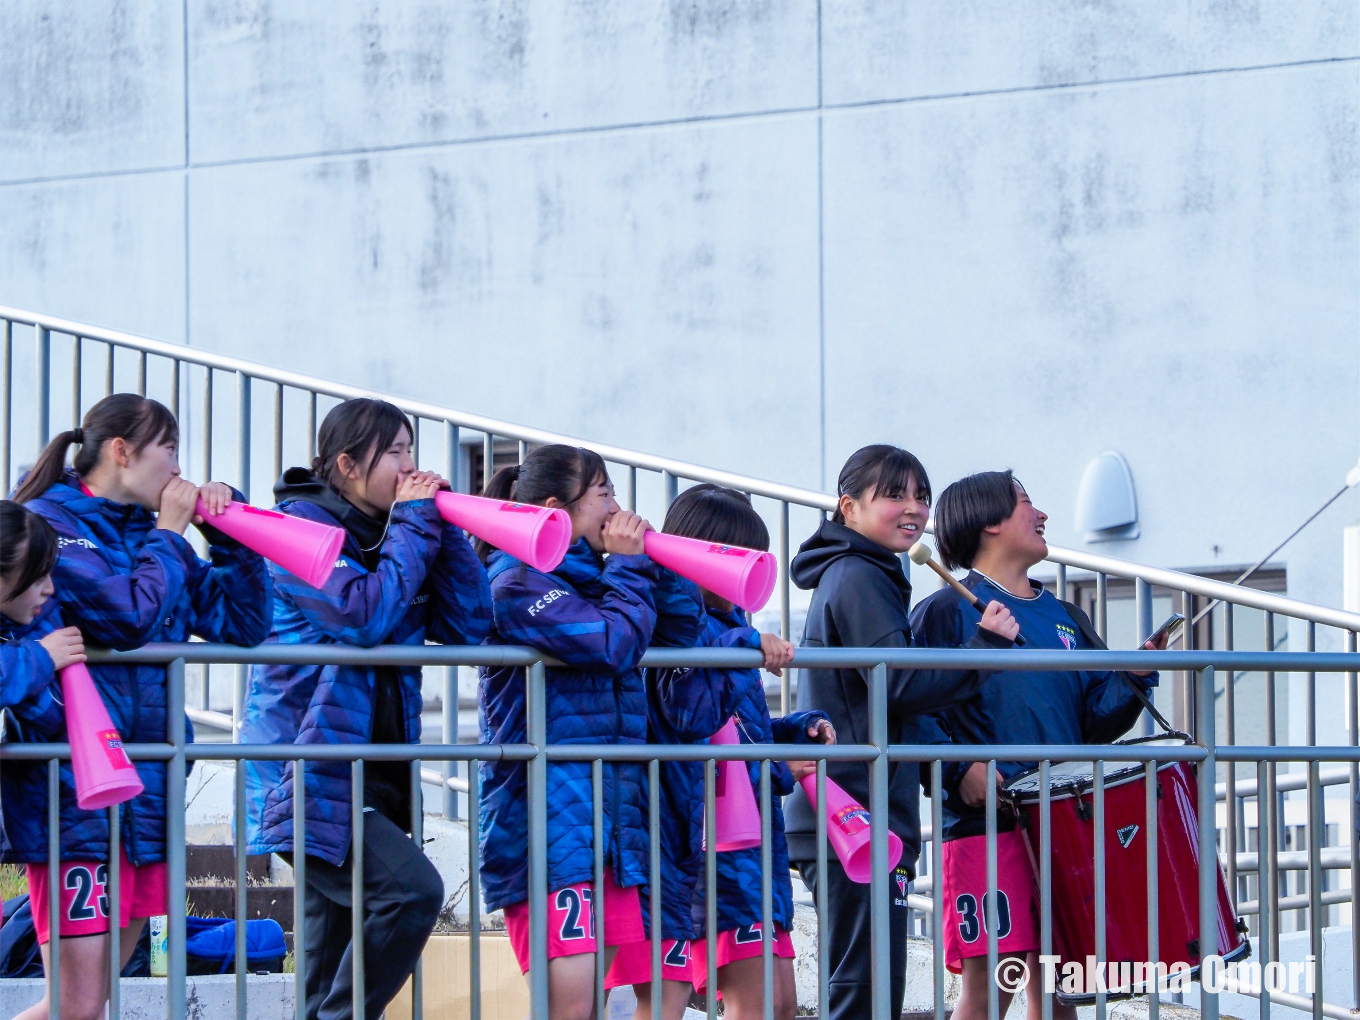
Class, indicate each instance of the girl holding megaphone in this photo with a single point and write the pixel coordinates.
(403, 576)
(597, 612)
(689, 703)
(125, 575)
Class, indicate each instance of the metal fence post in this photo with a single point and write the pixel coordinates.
(242, 671)
(175, 773)
(1353, 735)
(537, 732)
(6, 401)
(418, 837)
(1142, 600)
(242, 887)
(299, 885)
(54, 888)
(359, 996)
(449, 700)
(1208, 845)
(880, 915)
(785, 615)
(42, 369)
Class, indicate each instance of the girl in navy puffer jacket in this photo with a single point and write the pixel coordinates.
(403, 577)
(725, 516)
(598, 616)
(125, 576)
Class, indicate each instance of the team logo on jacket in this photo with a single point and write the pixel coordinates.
(1067, 636)
(63, 542)
(902, 884)
(546, 601)
(1125, 835)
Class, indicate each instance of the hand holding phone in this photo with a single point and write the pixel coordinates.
(1166, 633)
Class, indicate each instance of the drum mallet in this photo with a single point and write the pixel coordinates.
(923, 556)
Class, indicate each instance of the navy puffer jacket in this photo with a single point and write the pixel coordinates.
(739, 871)
(426, 582)
(126, 583)
(684, 706)
(598, 617)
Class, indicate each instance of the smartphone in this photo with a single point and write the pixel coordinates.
(1171, 627)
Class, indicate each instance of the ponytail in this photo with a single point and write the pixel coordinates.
(137, 420)
(560, 472)
(502, 484)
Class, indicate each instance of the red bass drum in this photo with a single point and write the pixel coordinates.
(1071, 786)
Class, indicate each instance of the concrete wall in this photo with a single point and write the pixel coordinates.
(756, 235)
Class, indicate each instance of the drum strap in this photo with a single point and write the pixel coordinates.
(1088, 632)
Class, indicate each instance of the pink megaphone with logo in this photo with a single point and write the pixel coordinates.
(742, 576)
(736, 817)
(537, 535)
(847, 827)
(306, 549)
(104, 774)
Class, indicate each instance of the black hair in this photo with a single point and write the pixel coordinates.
(137, 420)
(28, 548)
(965, 508)
(887, 470)
(718, 514)
(557, 471)
(363, 429)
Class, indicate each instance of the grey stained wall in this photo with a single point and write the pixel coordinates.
(753, 234)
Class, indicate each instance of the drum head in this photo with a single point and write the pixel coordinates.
(1068, 777)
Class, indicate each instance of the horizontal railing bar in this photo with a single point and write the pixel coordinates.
(324, 655)
(22, 751)
(1333, 859)
(1284, 784)
(999, 659)
(1286, 753)
(437, 779)
(474, 422)
(351, 752)
(1300, 1002)
(681, 469)
(212, 720)
(1330, 897)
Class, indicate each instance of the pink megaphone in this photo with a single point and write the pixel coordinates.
(306, 549)
(537, 535)
(104, 773)
(847, 826)
(742, 576)
(736, 817)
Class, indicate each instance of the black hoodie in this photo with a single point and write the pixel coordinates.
(386, 783)
(860, 599)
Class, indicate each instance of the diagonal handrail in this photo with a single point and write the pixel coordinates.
(1066, 557)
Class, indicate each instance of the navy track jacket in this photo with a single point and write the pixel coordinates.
(425, 582)
(1048, 707)
(598, 617)
(126, 583)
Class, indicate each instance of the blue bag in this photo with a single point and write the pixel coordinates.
(210, 945)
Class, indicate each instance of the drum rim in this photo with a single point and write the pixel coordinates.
(1078, 787)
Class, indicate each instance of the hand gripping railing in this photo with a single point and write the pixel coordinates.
(879, 755)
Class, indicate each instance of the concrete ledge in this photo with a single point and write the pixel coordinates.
(210, 997)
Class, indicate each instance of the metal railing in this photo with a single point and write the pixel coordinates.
(879, 756)
(189, 381)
